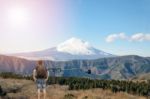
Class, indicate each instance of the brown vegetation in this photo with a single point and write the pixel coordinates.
(26, 89)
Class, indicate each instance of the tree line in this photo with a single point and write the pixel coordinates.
(136, 88)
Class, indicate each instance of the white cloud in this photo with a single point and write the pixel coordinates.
(135, 37)
(147, 37)
(113, 37)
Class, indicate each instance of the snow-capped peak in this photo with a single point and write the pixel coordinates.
(75, 46)
(71, 49)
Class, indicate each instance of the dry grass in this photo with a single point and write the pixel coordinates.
(28, 91)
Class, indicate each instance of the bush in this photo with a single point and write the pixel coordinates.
(69, 96)
(2, 93)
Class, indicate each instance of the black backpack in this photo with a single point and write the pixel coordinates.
(41, 72)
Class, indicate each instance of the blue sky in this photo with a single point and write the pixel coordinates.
(45, 23)
(96, 19)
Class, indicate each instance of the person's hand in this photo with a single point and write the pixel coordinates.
(35, 79)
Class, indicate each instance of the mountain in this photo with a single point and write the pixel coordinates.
(120, 67)
(145, 76)
(16, 65)
(71, 49)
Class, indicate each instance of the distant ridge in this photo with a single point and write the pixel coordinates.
(121, 67)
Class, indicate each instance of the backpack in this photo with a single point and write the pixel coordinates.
(41, 72)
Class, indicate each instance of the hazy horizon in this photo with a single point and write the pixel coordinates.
(119, 27)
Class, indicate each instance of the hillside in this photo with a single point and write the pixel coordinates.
(26, 89)
(121, 67)
(17, 65)
(145, 76)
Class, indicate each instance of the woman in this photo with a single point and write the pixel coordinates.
(40, 76)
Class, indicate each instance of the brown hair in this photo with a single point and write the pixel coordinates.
(40, 62)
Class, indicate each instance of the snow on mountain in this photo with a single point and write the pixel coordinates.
(76, 46)
(71, 49)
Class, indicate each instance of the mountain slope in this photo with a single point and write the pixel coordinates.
(123, 67)
(145, 76)
(16, 65)
(69, 50)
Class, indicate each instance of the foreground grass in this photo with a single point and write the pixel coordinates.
(140, 88)
(26, 89)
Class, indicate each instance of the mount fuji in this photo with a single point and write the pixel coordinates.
(72, 49)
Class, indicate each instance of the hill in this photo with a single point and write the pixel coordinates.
(121, 67)
(16, 65)
(145, 76)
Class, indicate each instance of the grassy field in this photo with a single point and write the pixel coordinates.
(26, 89)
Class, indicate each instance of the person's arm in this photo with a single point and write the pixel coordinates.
(47, 76)
(34, 75)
